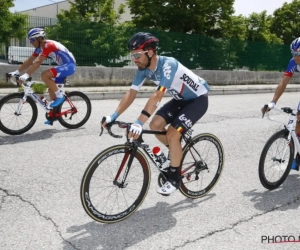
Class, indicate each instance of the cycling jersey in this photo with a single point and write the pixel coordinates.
(58, 52)
(62, 56)
(172, 77)
(291, 68)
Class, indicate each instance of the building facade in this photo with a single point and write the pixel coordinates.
(51, 10)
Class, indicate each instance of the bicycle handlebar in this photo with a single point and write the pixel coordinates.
(109, 126)
(287, 110)
(16, 83)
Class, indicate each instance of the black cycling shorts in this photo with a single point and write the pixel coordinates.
(182, 115)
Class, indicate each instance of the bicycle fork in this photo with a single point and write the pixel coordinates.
(130, 154)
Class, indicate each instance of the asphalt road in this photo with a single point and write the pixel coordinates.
(41, 171)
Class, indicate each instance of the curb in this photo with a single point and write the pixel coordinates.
(146, 94)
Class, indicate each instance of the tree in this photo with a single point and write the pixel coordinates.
(187, 29)
(186, 16)
(285, 23)
(12, 25)
(261, 46)
(92, 32)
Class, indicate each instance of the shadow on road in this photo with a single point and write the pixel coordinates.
(141, 225)
(285, 197)
(36, 136)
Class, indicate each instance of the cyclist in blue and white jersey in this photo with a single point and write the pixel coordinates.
(294, 65)
(188, 105)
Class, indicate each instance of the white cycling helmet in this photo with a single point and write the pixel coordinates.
(35, 33)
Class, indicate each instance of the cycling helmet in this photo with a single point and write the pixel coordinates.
(295, 44)
(139, 40)
(35, 33)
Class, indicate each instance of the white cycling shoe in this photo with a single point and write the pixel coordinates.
(168, 188)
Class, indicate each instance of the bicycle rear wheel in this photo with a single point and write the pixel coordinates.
(76, 110)
(105, 198)
(274, 164)
(201, 165)
(15, 124)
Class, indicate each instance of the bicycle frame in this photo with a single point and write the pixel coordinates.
(290, 127)
(28, 92)
(147, 150)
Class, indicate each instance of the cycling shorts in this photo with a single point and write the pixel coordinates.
(62, 71)
(182, 115)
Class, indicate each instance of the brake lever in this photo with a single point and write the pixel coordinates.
(264, 110)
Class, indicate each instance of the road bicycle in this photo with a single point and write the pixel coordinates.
(18, 111)
(278, 153)
(117, 180)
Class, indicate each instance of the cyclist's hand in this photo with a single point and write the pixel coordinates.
(14, 73)
(109, 119)
(135, 131)
(267, 108)
(105, 120)
(25, 77)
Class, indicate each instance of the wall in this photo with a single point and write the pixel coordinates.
(91, 76)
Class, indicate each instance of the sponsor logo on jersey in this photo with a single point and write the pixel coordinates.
(190, 82)
(175, 94)
(169, 114)
(167, 70)
(187, 121)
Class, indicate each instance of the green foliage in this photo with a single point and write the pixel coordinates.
(11, 25)
(38, 88)
(285, 23)
(186, 16)
(90, 28)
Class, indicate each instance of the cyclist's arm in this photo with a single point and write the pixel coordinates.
(26, 64)
(36, 65)
(281, 87)
(151, 105)
(126, 101)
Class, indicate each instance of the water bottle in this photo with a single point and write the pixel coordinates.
(161, 158)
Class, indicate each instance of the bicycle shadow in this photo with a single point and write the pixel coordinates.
(141, 225)
(282, 197)
(35, 136)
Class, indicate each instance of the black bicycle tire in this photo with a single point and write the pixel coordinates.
(261, 167)
(31, 122)
(205, 136)
(84, 188)
(86, 117)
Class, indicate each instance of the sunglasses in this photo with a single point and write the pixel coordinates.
(31, 40)
(137, 55)
(295, 53)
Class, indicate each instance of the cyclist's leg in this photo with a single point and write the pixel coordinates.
(54, 76)
(184, 120)
(163, 117)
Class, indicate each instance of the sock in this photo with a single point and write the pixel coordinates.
(58, 94)
(174, 173)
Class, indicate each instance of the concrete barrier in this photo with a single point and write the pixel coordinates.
(102, 76)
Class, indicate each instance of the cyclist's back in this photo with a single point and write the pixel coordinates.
(58, 52)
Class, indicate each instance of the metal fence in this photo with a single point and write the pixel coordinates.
(95, 44)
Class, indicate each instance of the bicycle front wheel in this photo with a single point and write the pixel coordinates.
(105, 195)
(75, 110)
(14, 123)
(276, 160)
(201, 165)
